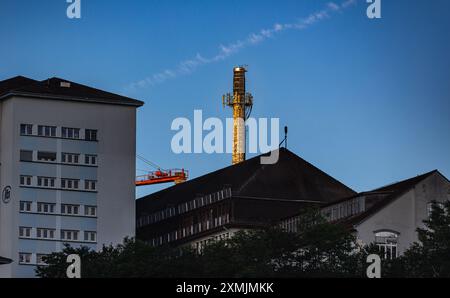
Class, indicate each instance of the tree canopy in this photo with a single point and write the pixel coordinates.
(320, 249)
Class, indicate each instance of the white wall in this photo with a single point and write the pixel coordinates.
(406, 214)
(116, 127)
(8, 212)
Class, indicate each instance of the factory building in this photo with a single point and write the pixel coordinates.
(67, 167)
(242, 196)
(250, 195)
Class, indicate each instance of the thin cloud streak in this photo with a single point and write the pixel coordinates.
(189, 66)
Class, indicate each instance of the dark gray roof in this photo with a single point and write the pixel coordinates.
(14, 83)
(291, 178)
(378, 198)
(53, 89)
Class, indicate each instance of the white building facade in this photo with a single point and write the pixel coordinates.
(67, 171)
(389, 216)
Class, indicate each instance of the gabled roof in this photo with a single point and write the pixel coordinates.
(291, 178)
(14, 83)
(61, 89)
(389, 193)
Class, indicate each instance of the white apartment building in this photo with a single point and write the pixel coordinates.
(67, 168)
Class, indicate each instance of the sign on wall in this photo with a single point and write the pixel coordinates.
(6, 194)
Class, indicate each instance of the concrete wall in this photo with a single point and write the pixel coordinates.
(406, 214)
(116, 151)
(8, 212)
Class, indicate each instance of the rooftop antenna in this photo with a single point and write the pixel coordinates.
(285, 138)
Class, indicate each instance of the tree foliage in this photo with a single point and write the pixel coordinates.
(320, 249)
(430, 257)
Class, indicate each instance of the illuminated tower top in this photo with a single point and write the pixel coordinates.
(242, 104)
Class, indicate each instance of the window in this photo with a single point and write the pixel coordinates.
(69, 235)
(25, 206)
(90, 236)
(40, 259)
(26, 129)
(46, 131)
(387, 243)
(90, 184)
(46, 182)
(69, 183)
(43, 233)
(26, 155)
(25, 232)
(70, 209)
(90, 210)
(70, 133)
(46, 156)
(90, 135)
(70, 158)
(25, 180)
(46, 208)
(90, 159)
(24, 258)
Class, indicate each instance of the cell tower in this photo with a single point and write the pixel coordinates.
(242, 104)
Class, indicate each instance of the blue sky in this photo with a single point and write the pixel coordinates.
(367, 101)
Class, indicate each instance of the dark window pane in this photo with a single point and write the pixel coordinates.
(26, 155)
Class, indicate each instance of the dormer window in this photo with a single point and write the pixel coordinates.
(64, 84)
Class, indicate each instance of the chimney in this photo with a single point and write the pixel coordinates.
(242, 104)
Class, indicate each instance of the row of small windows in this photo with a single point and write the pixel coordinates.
(331, 213)
(51, 131)
(200, 245)
(67, 158)
(65, 183)
(184, 207)
(344, 209)
(190, 230)
(65, 209)
(50, 234)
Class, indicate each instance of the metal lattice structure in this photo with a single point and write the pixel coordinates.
(241, 102)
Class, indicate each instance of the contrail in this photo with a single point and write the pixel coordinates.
(225, 51)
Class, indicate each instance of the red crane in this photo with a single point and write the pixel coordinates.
(160, 175)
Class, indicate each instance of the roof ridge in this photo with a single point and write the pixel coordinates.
(420, 177)
(202, 176)
(292, 177)
(51, 88)
(316, 168)
(85, 86)
(392, 197)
